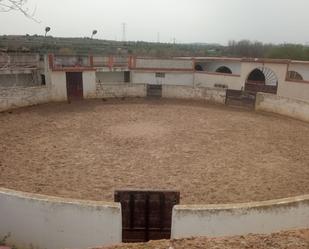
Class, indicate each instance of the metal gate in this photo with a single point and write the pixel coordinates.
(74, 82)
(146, 214)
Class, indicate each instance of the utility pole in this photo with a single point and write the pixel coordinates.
(158, 37)
(124, 26)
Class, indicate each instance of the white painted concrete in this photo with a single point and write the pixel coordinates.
(279, 69)
(210, 80)
(240, 219)
(89, 84)
(212, 66)
(175, 78)
(164, 63)
(42, 222)
(294, 90)
(113, 90)
(102, 77)
(14, 97)
(199, 93)
(58, 86)
(285, 106)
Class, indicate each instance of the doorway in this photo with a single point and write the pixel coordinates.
(74, 82)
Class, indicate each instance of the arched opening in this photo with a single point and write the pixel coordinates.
(293, 75)
(257, 76)
(224, 69)
(198, 67)
(262, 79)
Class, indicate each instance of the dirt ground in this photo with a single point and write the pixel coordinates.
(211, 154)
(284, 240)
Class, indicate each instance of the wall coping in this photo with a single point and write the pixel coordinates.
(247, 205)
(58, 200)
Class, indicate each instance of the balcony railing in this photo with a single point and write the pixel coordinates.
(61, 61)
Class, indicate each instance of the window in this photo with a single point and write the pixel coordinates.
(293, 75)
(224, 69)
(198, 67)
(160, 75)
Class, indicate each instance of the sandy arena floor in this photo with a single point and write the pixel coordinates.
(283, 240)
(212, 154)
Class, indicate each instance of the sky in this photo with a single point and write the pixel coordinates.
(206, 21)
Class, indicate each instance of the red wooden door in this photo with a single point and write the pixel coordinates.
(74, 85)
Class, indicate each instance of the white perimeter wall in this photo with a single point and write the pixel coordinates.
(36, 221)
(198, 93)
(14, 97)
(294, 90)
(171, 78)
(209, 80)
(240, 219)
(285, 106)
(114, 90)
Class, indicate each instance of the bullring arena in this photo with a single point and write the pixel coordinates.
(231, 135)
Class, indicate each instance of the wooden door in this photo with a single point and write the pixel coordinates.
(74, 82)
(146, 215)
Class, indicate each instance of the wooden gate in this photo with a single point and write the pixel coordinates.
(154, 91)
(240, 98)
(74, 82)
(146, 214)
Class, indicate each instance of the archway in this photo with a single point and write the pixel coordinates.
(262, 79)
(224, 69)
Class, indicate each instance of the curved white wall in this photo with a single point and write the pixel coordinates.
(293, 108)
(43, 222)
(215, 95)
(14, 97)
(240, 219)
(118, 90)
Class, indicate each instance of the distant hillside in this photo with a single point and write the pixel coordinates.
(244, 48)
(43, 44)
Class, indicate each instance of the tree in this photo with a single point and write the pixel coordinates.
(16, 5)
